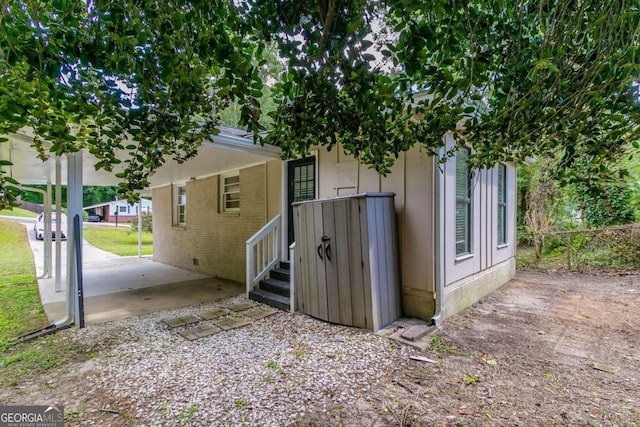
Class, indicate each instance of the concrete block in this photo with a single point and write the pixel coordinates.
(414, 333)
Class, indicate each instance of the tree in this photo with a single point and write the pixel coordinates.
(143, 80)
(511, 78)
(541, 212)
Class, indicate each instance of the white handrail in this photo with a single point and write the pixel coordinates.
(263, 252)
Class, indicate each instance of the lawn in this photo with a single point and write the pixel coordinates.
(19, 212)
(120, 241)
(22, 312)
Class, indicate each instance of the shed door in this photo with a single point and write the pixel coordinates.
(302, 186)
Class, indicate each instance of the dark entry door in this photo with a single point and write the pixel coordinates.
(302, 186)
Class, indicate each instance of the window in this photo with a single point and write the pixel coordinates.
(304, 181)
(230, 192)
(181, 205)
(502, 204)
(463, 203)
(122, 209)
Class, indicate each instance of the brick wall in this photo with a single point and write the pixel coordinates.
(211, 242)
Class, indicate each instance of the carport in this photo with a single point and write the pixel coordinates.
(227, 149)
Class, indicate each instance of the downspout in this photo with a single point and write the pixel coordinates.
(439, 214)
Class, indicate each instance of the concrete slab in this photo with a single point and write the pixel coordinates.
(119, 287)
(201, 331)
(121, 305)
(414, 333)
(232, 323)
(241, 306)
(260, 312)
(214, 314)
(180, 321)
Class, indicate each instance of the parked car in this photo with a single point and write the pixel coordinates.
(38, 226)
(94, 218)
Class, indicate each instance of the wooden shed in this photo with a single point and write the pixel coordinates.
(346, 260)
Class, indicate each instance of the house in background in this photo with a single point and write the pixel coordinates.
(228, 213)
(122, 209)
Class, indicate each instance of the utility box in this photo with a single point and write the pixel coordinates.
(346, 260)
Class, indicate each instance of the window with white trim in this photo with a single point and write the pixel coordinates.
(464, 212)
(122, 209)
(502, 204)
(181, 205)
(230, 192)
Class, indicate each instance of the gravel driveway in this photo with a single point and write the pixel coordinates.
(542, 350)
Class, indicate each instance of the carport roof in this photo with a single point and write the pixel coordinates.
(230, 149)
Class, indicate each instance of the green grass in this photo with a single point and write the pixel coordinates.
(19, 212)
(22, 312)
(120, 241)
(551, 260)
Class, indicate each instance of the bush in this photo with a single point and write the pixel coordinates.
(147, 223)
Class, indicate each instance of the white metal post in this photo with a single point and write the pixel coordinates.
(74, 207)
(47, 230)
(58, 273)
(140, 228)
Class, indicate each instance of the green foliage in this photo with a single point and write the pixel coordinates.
(607, 248)
(188, 413)
(147, 223)
(139, 80)
(512, 79)
(609, 206)
(526, 78)
(439, 344)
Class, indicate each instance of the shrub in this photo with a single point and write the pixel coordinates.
(147, 223)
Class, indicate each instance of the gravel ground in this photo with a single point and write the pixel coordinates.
(277, 371)
(543, 350)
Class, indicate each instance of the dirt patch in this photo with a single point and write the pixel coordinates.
(543, 350)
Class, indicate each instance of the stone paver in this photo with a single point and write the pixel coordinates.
(260, 312)
(414, 333)
(199, 332)
(214, 314)
(232, 323)
(181, 321)
(241, 306)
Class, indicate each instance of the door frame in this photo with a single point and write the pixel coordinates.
(285, 199)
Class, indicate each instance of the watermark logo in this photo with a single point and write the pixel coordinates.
(31, 416)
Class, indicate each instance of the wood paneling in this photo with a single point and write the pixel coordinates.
(347, 255)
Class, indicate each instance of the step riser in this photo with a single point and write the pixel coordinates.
(284, 265)
(266, 286)
(279, 275)
(267, 301)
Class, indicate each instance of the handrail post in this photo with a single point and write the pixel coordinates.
(266, 241)
(248, 267)
(292, 282)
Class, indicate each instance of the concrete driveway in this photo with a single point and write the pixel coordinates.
(118, 287)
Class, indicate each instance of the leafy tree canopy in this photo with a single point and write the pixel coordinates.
(135, 80)
(511, 78)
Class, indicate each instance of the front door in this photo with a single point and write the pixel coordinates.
(302, 186)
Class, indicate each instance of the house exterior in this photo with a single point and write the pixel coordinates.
(120, 210)
(455, 226)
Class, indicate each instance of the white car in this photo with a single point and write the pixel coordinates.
(38, 226)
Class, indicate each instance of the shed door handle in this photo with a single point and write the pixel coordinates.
(320, 250)
(327, 251)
